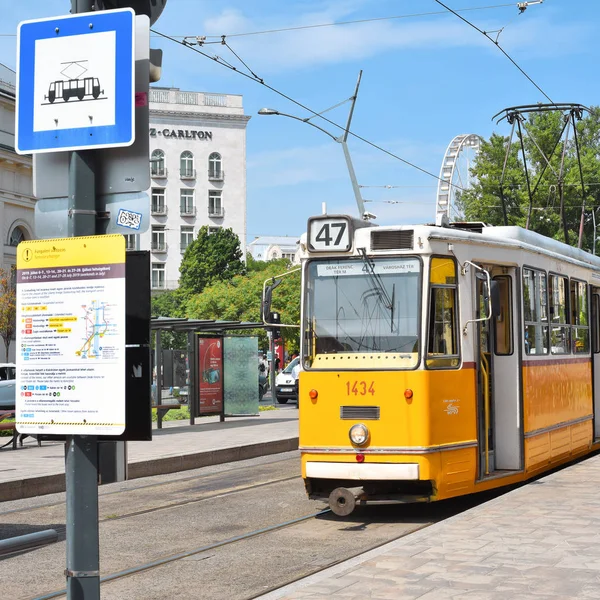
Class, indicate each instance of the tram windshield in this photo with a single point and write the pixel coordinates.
(358, 308)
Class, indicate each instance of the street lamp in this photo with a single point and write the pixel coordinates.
(340, 140)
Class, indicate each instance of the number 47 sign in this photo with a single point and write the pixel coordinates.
(330, 234)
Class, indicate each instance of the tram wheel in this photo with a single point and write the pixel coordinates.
(342, 502)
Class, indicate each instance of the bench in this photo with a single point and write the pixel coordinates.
(163, 409)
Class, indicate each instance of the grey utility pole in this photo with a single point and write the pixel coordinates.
(342, 139)
(81, 463)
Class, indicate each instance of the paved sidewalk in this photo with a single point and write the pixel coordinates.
(538, 542)
(33, 471)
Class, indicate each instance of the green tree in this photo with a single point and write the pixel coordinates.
(8, 308)
(209, 258)
(170, 303)
(544, 149)
(240, 299)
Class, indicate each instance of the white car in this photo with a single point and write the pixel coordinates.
(285, 384)
(8, 396)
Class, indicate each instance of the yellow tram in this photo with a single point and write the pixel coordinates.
(442, 361)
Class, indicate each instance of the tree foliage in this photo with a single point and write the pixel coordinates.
(544, 148)
(8, 308)
(240, 298)
(209, 258)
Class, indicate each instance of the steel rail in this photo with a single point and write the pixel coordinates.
(180, 555)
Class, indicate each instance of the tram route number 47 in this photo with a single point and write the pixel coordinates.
(326, 233)
(360, 388)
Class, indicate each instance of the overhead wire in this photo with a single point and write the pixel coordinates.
(497, 44)
(218, 60)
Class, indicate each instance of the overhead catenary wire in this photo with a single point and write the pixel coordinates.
(496, 43)
(261, 81)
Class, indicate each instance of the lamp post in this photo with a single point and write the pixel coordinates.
(342, 139)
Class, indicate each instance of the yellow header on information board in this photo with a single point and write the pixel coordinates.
(67, 252)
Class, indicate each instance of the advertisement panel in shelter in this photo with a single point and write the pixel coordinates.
(211, 375)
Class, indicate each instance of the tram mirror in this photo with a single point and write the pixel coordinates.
(268, 298)
(495, 298)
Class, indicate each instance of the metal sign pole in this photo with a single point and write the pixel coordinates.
(81, 468)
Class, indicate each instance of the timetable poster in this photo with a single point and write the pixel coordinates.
(70, 314)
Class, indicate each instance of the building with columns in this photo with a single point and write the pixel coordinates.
(16, 193)
(198, 175)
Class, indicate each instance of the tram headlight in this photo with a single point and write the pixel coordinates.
(359, 434)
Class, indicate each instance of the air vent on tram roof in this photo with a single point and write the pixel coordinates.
(392, 239)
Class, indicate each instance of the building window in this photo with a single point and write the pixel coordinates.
(159, 243)
(186, 165)
(157, 164)
(158, 276)
(535, 311)
(16, 237)
(186, 202)
(158, 205)
(215, 204)
(187, 237)
(212, 230)
(215, 172)
(131, 241)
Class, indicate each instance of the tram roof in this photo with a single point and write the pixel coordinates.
(518, 237)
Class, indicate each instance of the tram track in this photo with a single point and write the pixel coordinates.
(188, 553)
(158, 484)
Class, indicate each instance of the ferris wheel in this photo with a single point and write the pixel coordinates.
(455, 176)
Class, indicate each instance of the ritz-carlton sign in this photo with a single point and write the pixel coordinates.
(184, 134)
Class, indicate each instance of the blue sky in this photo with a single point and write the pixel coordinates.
(425, 80)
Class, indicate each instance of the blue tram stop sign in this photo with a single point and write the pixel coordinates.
(75, 82)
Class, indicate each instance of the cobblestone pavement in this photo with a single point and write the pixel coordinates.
(540, 541)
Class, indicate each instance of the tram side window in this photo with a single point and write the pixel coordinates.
(579, 317)
(560, 332)
(535, 311)
(442, 343)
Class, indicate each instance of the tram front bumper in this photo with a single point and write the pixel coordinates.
(363, 471)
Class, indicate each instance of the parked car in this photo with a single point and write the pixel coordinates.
(8, 397)
(285, 384)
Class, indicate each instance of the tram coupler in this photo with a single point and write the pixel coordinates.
(342, 501)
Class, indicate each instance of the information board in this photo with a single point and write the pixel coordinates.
(71, 336)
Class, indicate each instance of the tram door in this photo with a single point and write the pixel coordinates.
(596, 358)
(498, 377)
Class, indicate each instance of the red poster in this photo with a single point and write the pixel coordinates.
(211, 375)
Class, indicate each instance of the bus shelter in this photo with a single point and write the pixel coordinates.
(219, 368)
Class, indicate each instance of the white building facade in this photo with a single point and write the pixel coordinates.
(198, 170)
(16, 185)
(271, 247)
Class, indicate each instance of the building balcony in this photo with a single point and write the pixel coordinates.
(158, 210)
(159, 173)
(216, 212)
(158, 247)
(187, 173)
(216, 175)
(187, 211)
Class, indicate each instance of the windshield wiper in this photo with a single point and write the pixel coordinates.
(379, 287)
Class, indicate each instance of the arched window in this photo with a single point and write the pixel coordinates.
(16, 237)
(157, 164)
(214, 166)
(186, 164)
